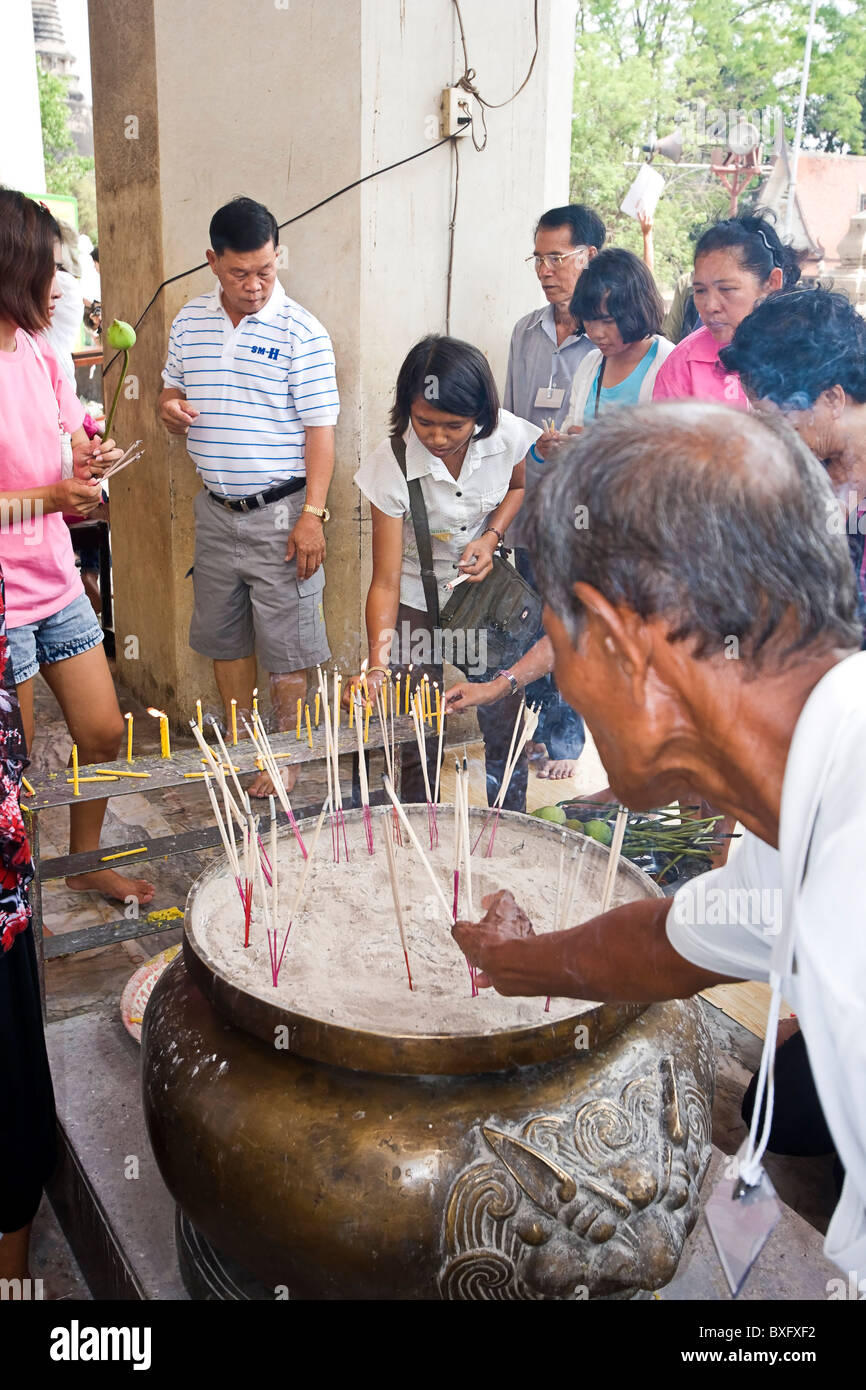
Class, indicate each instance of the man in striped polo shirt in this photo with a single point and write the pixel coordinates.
(250, 381)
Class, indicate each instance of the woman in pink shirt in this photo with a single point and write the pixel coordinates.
(50, 624)
(738, 262)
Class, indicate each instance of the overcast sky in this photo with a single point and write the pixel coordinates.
(73, 17)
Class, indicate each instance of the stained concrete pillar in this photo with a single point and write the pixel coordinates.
(288, 101)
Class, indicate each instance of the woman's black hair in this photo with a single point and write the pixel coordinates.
(616, 284)
(28, 232)
(796, 345)
(453, 376)
(757, 241)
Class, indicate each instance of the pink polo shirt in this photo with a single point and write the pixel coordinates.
(694, 369)
(36, 554)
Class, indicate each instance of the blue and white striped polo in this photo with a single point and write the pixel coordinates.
(256, 388)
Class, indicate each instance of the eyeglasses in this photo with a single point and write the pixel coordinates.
(553, 262)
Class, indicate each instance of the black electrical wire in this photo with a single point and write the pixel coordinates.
(306, 213)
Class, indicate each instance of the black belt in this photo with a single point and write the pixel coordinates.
(260, 499)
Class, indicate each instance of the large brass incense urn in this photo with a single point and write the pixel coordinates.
(312, 1160)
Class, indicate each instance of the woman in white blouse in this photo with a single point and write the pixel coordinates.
(469, 456)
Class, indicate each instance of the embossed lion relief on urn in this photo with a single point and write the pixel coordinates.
(591, 1204)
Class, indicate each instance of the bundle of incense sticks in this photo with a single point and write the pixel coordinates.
(332, 759)
(463, 851)
(123, 462)
(395, 888)
(566, 887)
(529, 715)
(421, 740)
(362, 772)
(260, 738)
(233, 809)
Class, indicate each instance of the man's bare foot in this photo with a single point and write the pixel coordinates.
(556, 769)
(262, 785)
(112, 885)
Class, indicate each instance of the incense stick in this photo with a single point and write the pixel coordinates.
(395, 889)
(299, 894)
(392, 796)
(613, 858)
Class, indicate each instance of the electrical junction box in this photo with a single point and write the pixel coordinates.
(454, 108)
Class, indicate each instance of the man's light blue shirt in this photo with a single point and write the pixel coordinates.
(536, 361)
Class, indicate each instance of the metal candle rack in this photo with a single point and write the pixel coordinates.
(53, 789)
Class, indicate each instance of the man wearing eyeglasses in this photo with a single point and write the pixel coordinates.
(547, 347)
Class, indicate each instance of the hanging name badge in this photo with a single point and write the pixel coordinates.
(549, 397)
(741, 1218)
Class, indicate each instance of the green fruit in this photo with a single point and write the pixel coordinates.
(599, 830)
(120, 335)
(575, 825)
(553, 813)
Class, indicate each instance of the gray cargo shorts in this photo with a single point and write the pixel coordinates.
(247, 598)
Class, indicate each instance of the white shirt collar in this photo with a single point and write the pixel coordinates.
(420, 462)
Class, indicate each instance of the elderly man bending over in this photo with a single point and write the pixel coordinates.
(702, 615)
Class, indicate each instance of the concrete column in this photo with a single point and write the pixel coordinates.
(288, 102)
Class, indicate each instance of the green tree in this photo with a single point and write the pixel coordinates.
(66, 171)
(642, 65)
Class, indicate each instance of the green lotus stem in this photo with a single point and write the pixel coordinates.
(110, 421)
(121, 337)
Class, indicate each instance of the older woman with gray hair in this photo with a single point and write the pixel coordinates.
(704, 623)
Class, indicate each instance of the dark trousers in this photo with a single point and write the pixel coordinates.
(798, 1126)
(27, 1120)
(496, 721)
(560, 728)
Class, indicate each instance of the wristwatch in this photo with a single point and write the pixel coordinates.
(321, 512)
(511, 678)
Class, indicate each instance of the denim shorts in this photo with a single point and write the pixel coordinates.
(70, 632)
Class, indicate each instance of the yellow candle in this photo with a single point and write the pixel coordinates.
(318, 699)
(198, 716)
(367, 721)
(408, 682)
(438, 709)
(234, 721)
(352, 711)
(427, 699)
(298, 734)
(385, 698)
(309, 730)
(163, 736)
(397, 700)
(75, 768)
(128, 718)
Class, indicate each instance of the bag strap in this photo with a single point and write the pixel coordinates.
(421, 527)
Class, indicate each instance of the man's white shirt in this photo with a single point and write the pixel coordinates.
(257, 388)
(815, 885)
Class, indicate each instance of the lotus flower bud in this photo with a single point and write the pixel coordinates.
(120, 335)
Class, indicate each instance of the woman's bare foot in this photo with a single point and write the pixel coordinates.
(262, 785)
(112, 885)
(556, 769)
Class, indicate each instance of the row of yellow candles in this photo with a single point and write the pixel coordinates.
(423, 704)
